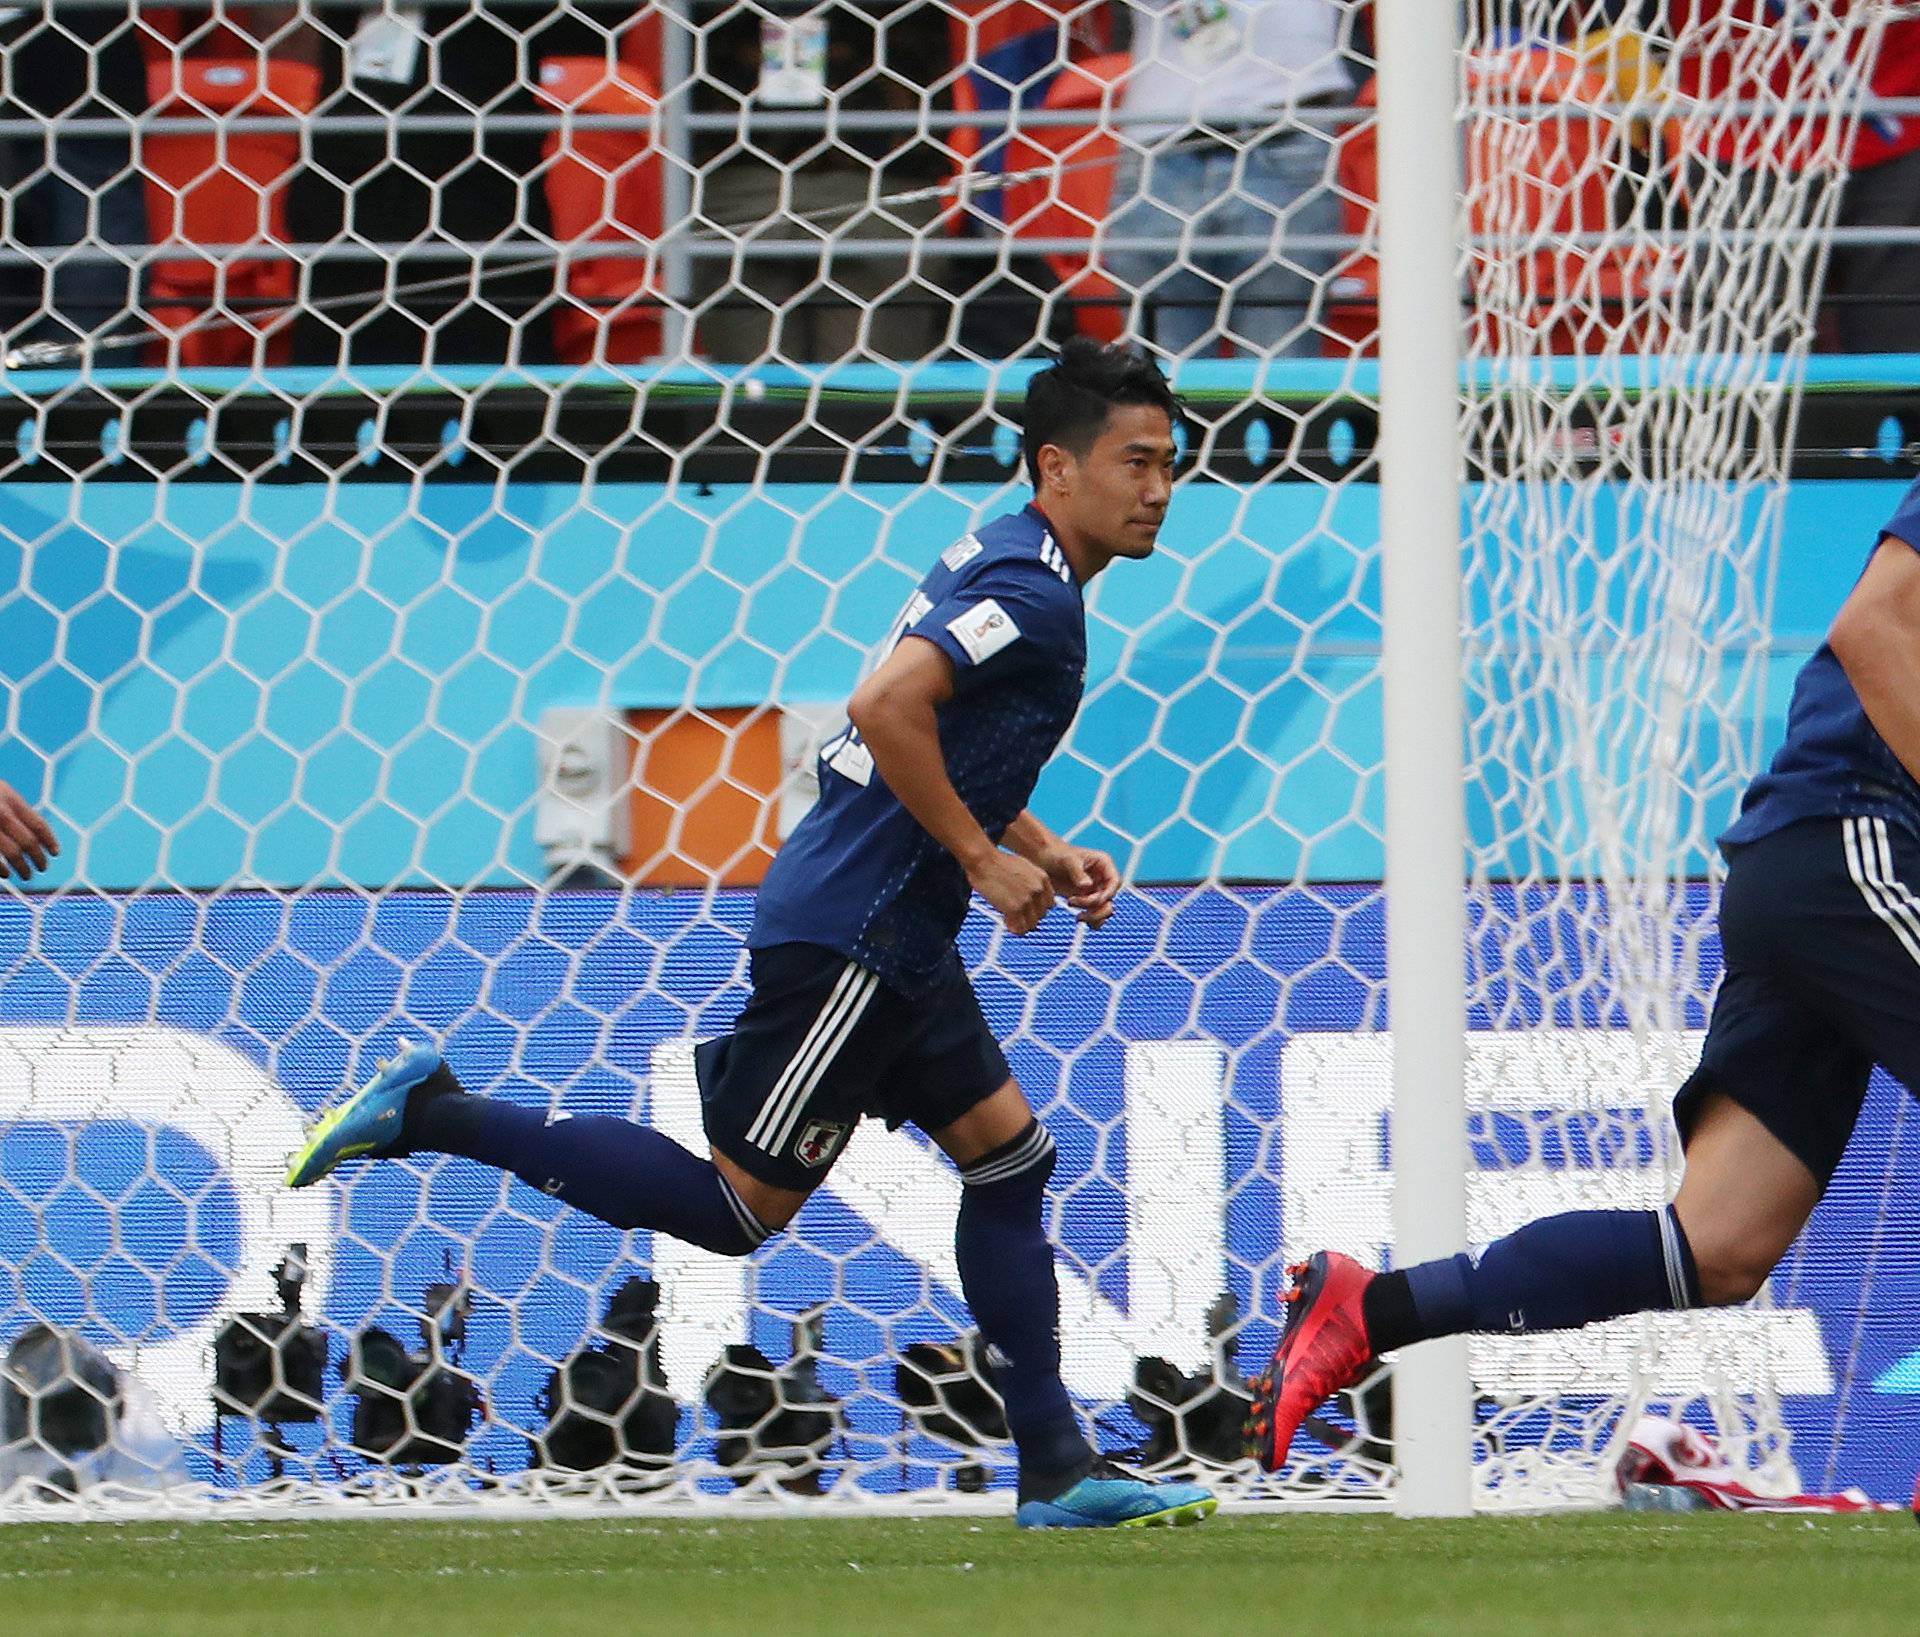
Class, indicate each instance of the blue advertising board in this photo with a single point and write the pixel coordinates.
(294, 695)
(158, 1052)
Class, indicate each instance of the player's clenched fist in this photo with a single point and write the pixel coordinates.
(26, 839)
(1088, 879)
(1020, 892)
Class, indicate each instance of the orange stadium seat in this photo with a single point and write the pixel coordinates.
(1008, 48)
(604, 186)
(1073, 200)
(1011, 49)
(215, 186)
(1551, 176)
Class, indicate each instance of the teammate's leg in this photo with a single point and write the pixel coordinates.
(1742, 1203)
(1745, 1197)
(1817, 989)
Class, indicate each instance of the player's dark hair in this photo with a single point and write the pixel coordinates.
(1069, 401)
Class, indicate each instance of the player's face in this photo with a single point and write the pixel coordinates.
(1122, 485)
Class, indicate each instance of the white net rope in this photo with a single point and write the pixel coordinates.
(434, 561)
(1621, 556)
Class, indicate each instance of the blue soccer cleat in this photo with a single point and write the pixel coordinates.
(368, 1123)
(1110, 1497)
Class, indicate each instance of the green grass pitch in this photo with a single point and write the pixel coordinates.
(1238, 1574)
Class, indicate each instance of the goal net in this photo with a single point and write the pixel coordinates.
(1621, 556)
(458, 464)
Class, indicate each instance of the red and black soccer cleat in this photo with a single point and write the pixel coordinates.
(1323, 1349)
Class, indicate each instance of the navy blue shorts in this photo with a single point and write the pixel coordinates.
(821, 1043)
(1822, 937)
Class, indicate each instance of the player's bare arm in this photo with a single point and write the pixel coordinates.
(1086, 877)
(1876, 638)
(27, 841)
(894, 711)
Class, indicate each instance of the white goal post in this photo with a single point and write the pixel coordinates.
(1420, 654)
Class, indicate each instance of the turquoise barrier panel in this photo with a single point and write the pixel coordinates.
(283, 685)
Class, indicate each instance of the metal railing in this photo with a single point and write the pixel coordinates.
(822, 121)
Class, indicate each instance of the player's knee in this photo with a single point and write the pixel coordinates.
(755, 1211)
(1728, 1272)
(1020, 1166)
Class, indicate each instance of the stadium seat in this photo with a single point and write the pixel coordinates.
(1012, 51)
(1551, 177)
(1073, 199)
(217, 186)
(604, 186)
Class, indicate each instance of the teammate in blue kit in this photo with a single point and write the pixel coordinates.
(1820, 924)
(860, 1004)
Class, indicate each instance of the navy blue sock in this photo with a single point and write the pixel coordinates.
(1006, 1271)
(1554, 1274)
(622, 1173)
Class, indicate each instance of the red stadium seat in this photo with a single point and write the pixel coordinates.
(604, 186)
(1007, 49)
(1073, 199)
(1010, 49)
(1549, 175)
(216, 186)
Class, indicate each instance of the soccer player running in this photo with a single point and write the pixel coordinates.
(1821, 931)
(860, 1004)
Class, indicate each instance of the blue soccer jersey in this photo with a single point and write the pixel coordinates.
(1833, 761)
(859, 874)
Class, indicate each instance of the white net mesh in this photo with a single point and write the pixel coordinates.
(1621, 555)
(428, 636)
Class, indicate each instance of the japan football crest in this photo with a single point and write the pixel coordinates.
(818, 1143)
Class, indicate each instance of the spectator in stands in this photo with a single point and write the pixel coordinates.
(796, 177)
(436, 181)
(74, 201)
(1221, 154)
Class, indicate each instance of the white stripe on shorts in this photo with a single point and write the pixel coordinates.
(1904, 904)
(801, 1077)
(823, 1021)
(854, 1008)
(1870, 863)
